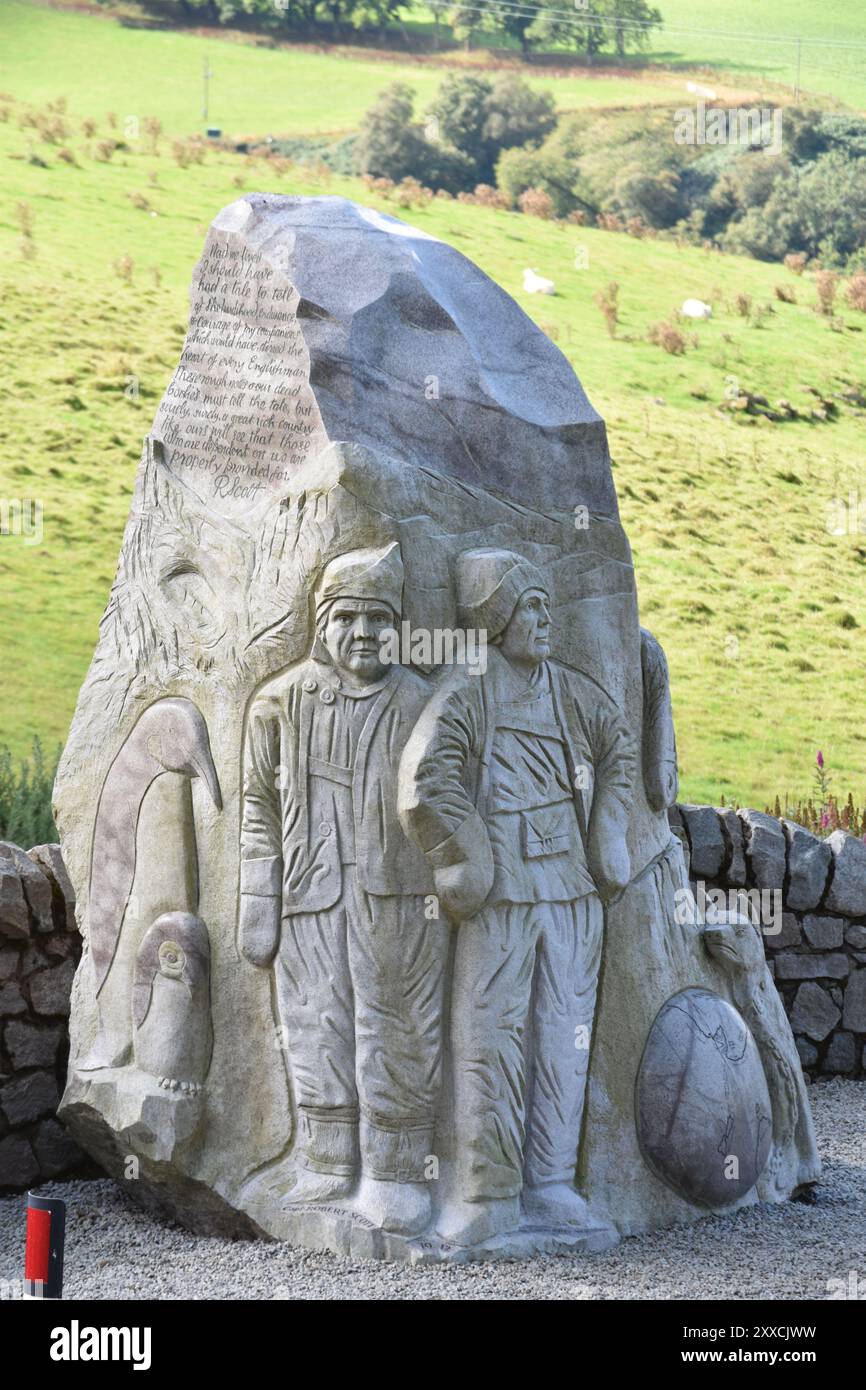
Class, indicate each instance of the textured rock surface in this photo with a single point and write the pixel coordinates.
(847, 892)
(808, 867)
(765, 848)
(705, 839)
(814, 1012)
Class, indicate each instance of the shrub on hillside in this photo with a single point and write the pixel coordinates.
(536, 203)
(855, 291)
(668, 337)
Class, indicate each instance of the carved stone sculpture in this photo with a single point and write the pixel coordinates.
(364, 801)
(171, 1002)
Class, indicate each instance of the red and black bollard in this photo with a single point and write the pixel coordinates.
(43, 1250)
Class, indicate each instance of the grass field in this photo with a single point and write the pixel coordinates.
(761, 609)
(284, 91)
(742, 41)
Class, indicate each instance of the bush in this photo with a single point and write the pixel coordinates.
(796, 261)
(25, 798)
(536, 203)
(855, 291)
(826, 283)
(785, 293)
(521, 169)
(666, 336)
(607, 303)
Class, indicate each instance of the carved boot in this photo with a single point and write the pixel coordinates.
(394, 1192)
(327, 1155)
(555, 1204)
(471, 1223)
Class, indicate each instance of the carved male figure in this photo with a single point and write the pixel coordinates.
(517, 784)
(333, 894)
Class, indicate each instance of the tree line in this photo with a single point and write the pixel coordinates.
(590, 27)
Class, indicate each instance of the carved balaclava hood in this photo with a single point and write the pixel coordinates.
(367, 574)
(489, 586)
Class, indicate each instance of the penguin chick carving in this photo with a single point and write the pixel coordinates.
(172, 1034)
(793, 1160)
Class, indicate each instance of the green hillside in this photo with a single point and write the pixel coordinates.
(744, 41)
(761, 608)
(279, 91)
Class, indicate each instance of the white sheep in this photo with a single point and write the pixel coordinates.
(533, 283)
(696, 309)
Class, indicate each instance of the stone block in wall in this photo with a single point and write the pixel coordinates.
(55, 1149)
(9, 958)
(765, 848)
(732, 830)
(814, 1012)
(29, 1098)
(790, 934)
(50, 861)
(11, 1000)
(705, 838)
(37, 889)
(29, 1045)
(807, 1050)
(855, 937)
(824, 933)
(854, 1011)
(50, 989)
(841, 1056)
(808, 867)
(832, 966)
(18, 1163)
(14, 914)
(847, 892)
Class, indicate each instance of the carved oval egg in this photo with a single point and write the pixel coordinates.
(702, 1107)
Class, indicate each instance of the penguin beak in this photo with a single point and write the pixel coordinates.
(203, 767)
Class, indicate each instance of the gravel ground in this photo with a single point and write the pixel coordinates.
(790, 1251)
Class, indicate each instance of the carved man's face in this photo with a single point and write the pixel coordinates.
(526, 640)
(352, 634)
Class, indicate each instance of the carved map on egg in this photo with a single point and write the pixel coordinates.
(702, 1105)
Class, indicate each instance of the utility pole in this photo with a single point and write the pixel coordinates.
(207, 75)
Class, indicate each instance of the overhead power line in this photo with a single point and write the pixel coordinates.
(523, 9)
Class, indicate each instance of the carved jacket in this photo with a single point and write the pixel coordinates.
(445, 781)
(294, 856)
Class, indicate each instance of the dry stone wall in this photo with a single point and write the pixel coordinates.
(816, 941)
(39, 951)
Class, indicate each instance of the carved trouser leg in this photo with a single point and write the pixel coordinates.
(397, 959)
(506, 957)
(316, 1009)
(370, 969)
(559, 1034)
(493, 970)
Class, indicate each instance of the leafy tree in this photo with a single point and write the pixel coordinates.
(393, 145)
(480, 118)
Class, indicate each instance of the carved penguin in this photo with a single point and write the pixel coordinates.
(171, 1017)
(794, 1159)
(170, 736)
